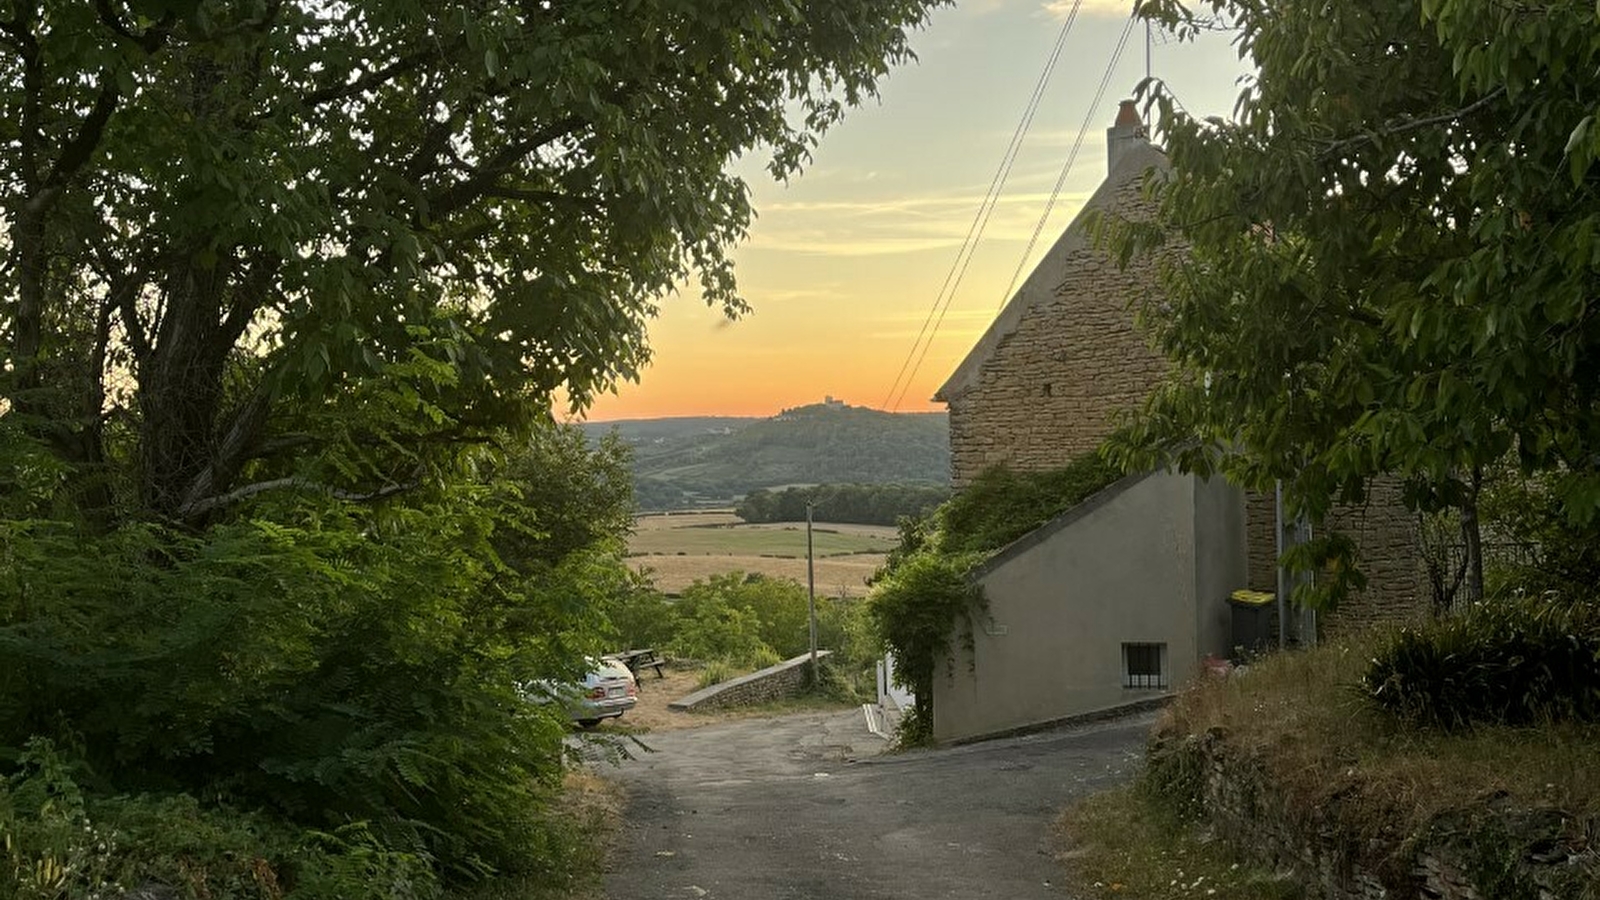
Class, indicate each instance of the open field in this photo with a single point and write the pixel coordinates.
(835, 575)
(680, 548)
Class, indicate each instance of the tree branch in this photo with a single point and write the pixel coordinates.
(1403, 126)
(149, 42)
(196, 509)
(485, 177)
(366, 81)
(82, 145)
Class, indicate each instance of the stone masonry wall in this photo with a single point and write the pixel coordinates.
(780, 682)
(1483, 854)
(1389, 547)
(1049, 391)
(1260, 525)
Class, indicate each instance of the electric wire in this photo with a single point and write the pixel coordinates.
(969, 243)
(1072, 159)
(1094, 106)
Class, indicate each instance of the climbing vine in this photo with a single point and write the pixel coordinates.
(926, 598)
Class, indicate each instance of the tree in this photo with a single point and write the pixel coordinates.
(1364, 289)
(263, 244)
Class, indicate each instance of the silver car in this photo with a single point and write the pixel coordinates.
(607, 691)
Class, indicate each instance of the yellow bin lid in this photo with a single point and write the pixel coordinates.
(1254, 598)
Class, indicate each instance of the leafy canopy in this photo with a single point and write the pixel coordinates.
(259, 244)
(1391, 254)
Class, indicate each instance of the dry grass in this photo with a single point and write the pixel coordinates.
(1300, 714)
(1121, 844)
(591, 810)
(679, 549)
(836, 575)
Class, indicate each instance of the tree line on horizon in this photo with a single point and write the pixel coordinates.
(854, 504)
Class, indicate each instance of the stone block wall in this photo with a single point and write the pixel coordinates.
(780, 682)
(1049, 389)
(1484, 854)
(1048, 392)
(1388, 547)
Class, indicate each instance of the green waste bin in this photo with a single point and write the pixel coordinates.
(1252, 621)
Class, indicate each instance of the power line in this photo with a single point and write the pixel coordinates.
(1072, 158)
(1105, 80)
(980, 221)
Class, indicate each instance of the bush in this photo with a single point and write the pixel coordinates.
(61, 844)
(1002, 504)
(1508, 662)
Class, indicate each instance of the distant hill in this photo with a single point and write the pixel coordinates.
(712, 460)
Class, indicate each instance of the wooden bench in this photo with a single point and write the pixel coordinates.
(645, 658)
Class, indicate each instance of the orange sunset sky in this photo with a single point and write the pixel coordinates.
(843, 263)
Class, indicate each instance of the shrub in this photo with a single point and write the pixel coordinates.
(917, 611)
(1504, 662)
(1002, 504)
(59, 843)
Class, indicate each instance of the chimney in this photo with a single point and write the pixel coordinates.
(1128, 132)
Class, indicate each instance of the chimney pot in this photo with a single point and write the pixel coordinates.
(1125, 134)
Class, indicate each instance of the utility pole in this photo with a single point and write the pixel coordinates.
(811, 596)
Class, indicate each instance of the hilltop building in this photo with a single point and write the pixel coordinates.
(1123, 596)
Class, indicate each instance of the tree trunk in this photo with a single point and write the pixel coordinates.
(1472, 539)
(180, 391)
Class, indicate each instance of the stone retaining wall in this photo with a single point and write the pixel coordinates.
(782, 681)
(1490, 853)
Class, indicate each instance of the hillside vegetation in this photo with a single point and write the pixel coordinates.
(712, 461)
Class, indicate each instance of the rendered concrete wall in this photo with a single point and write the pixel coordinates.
(1149, 560)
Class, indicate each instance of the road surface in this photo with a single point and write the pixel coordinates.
(803, 807)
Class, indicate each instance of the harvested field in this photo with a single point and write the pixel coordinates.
(680, 548)
(835, 574)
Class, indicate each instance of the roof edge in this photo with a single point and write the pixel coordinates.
(1041, 283)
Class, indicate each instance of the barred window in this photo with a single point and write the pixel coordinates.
(1144, 666)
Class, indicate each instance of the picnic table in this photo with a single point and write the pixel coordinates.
(643, 658)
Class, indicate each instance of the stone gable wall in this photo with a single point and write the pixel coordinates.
(1049, 391)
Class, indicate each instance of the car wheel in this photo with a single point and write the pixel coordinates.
(588, 723)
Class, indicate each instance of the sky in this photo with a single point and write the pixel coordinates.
(844, 263)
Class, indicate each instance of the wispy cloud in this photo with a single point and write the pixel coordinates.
(1103, 9)
(902, 225)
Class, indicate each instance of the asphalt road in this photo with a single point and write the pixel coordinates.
(804, 807)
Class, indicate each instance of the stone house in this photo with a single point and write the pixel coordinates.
(1124, 596)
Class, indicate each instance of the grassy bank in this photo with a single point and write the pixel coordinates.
(1301, 718)
(1301, 715)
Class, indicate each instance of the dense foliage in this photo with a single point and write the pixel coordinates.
(1389, 260)
(736, 622)
(925, 599)
(746, 622)
(289, 291)
(1503, 662)
(328, 663)
(1002, 504)
(858, 504)
(257, 244)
